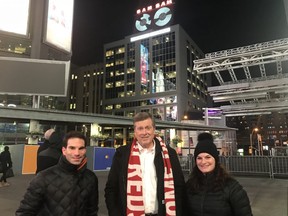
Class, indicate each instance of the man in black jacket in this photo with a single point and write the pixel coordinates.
(5, 159)
(67, 188)
(46, 143)
(145, 177)
(50, 156)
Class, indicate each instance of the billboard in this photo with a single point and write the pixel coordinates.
(144, 64)
(14, 16)
(33, 76)
(59, 22)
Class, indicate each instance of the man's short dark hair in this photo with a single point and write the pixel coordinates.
(141, 116)
(74, 134)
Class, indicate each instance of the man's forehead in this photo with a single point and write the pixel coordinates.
(76, 142)
(146, 121)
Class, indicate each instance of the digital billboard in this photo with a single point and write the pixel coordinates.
(59, 24)
(144, 64)
(23, 76)
(14, 16)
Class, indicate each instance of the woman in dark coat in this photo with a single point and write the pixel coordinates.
(211, 190)
(5, 159)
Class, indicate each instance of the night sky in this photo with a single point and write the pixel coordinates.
(213, 24)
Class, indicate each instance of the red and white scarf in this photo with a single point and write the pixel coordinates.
(135, 203)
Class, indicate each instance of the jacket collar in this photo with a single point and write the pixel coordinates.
(66, 165)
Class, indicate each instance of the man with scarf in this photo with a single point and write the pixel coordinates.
(145, 177)
(67, 188)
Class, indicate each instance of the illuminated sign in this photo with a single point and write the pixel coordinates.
(59, 24)
(14, 16)
(150, 34)
(154, 16)
(153, 7)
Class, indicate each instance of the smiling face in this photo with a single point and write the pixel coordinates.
(205, 162)
(75, 150)
(144, 132)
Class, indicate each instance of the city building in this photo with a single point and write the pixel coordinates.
(86, 89)
(154, 74)
(271, 133)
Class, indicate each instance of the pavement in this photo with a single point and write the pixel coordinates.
(268, 197)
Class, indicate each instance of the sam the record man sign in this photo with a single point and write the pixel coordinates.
(153, 14)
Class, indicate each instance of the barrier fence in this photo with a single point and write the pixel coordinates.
(276, 166)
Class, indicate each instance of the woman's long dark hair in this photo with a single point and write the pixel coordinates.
(218, 178)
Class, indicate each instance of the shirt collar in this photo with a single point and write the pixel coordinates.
(142, 150)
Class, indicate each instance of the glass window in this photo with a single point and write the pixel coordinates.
(171, 113)
(164, 67)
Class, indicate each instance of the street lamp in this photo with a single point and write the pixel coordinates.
(251, 142)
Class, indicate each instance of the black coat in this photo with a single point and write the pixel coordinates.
(5, 159)
(61, 190)
(116, 186)
(43, 146)
(50, 156)
(232, 200)
(47, 158)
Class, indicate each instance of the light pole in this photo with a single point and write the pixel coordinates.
(251, 141)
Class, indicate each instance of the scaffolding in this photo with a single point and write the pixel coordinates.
(251, 78)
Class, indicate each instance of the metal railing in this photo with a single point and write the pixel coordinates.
(276, 166)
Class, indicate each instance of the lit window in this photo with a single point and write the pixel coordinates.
(109, 107)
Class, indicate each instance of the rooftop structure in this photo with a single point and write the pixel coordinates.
(252, 80)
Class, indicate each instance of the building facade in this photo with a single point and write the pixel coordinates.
(271, 132)
(154, 74)
(86, 89)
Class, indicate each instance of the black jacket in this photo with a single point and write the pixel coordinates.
(115, 191)
(47, 158)
(61, 190)
(5, 159)
(50, 156)
(232, 200)
(43, 146)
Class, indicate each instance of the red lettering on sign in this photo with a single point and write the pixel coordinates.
(156, 6)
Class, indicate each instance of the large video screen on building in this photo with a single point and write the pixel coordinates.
(59, 24)
(14, 16)
(144, 64)
(26, 76)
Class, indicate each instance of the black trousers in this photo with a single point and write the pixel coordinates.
(3, 178)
